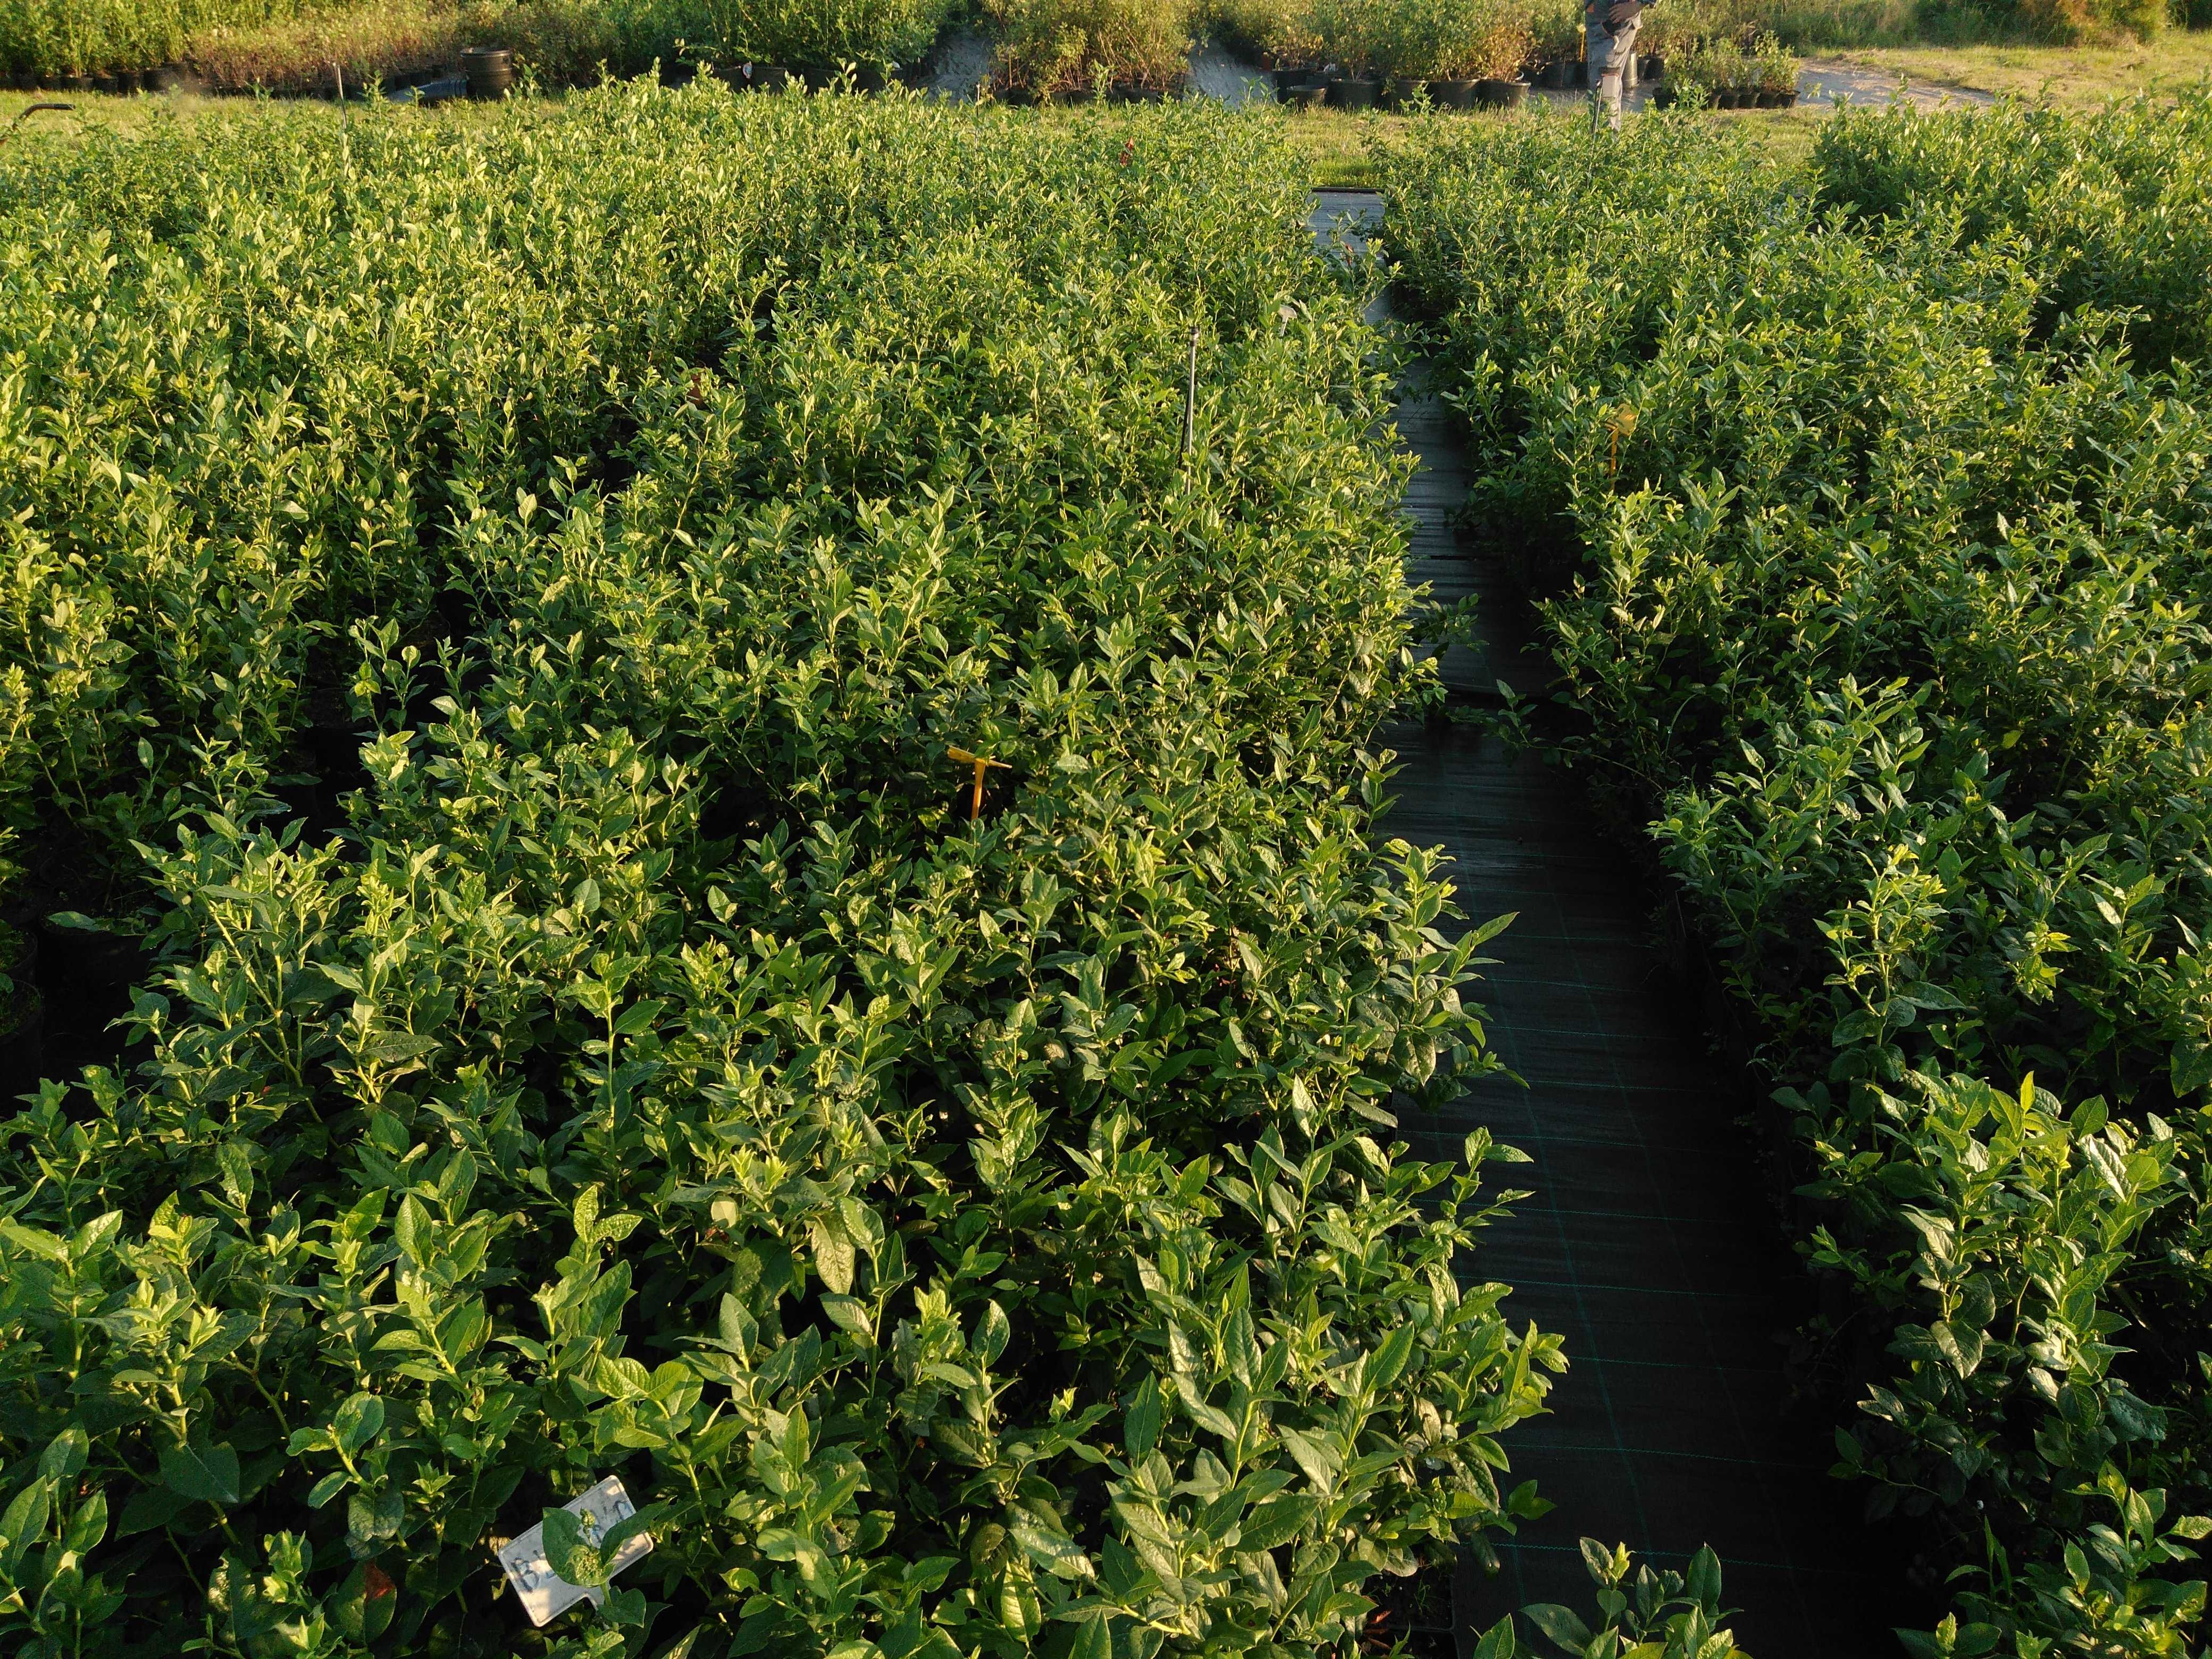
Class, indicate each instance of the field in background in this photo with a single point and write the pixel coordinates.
(1340, 146)
(2072, 76)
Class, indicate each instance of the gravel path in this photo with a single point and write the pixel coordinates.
(963, 61)
(1824, 81)
(960, 65)
(1218, 75)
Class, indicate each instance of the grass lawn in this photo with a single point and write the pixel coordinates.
(1340, 147)
(2063, 75)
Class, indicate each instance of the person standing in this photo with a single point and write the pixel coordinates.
(1609, 45)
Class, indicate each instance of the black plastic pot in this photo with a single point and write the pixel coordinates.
(1452, 94)
(831, 78)
(1500, 94)
(489, 71)
(1769, 99)
(1651, 67)
(1082, 95)
(1559, 74)
(1350, 94)
(163, 79)
(1727, 98)
(1288, 81)
(1399, 93)
(1132, 92)
(75, 81)
(105, 83)
(1312, 97)
(1664, 97)
(1790, 99)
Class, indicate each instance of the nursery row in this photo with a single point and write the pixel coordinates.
(1872, 542)
(2114, 214)
(1422, 40)
(292, 45)
(725, 744)
(1041, 46)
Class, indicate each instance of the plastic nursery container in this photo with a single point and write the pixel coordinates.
(1353, 93)
(489, 70)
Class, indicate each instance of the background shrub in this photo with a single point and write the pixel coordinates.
(880, 34)
(1047, 45)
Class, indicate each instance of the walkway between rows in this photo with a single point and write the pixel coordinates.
(1646, 1243)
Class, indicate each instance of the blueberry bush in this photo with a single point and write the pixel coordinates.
(1867, 513)
(491, 609)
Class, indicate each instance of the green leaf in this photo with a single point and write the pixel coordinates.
(1275, 1522)
(328, 1487)
(851, 1314)
(87, 1525)
(833, 1252)
(150, 1507)
(24, 1521)
(65, 1454)
(1705, 1580)
(208, 1474)
(1140, 1427)
(928, 1574)
(1559, 1624)
(362, 1608)
(1387, 1362)
(992, 1332)
(783, 1544)
(1045, 1544)
(1315, 1455)
(566, 1553)
(373, 1520)
(357, 1422)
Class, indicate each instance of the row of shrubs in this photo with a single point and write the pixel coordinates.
(1041, 46)
(294, 45)
(1437, 40)
(511, 660)
(1871, 528)
(290, 45)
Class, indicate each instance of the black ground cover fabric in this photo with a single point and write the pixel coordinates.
(1648, 1245)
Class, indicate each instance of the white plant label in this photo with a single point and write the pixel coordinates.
(544, 1593)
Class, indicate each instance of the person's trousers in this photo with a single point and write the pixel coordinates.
(1611, 58)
